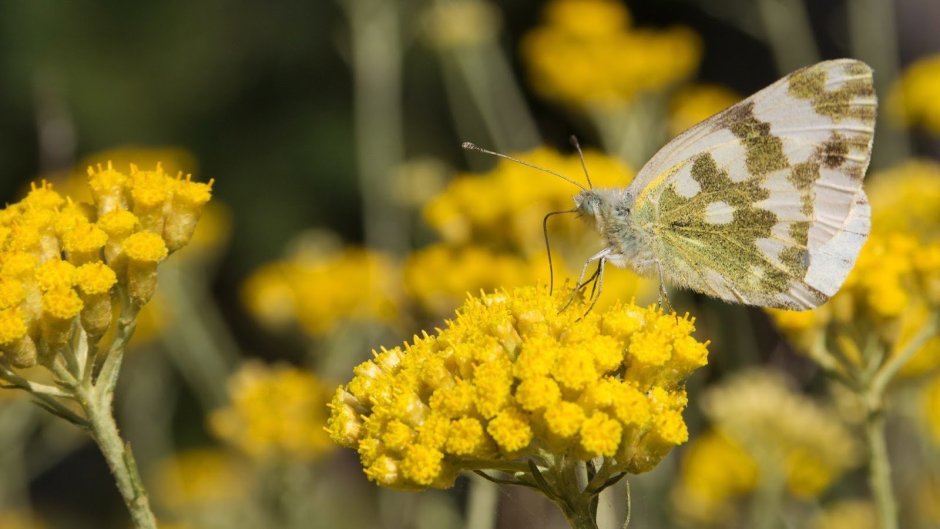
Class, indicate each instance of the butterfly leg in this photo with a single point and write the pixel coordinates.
(598, 285)
(581, 282)
(663, 295)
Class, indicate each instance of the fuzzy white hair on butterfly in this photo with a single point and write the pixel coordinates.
(761, 204)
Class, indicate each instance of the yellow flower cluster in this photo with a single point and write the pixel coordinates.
(587, 53)
(696, 103)
(889, 295)
(906, 199)
(276, 412)
(913, 98)
(491, 224)
(319, 290)
(514, 379)
(761, 429)
(199, 477)
(59, 259)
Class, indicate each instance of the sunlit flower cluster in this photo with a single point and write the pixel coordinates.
(696, 103)
(59, 259)
(761, 429)
(275, 412)
(318, 290)
(913, 98)
(587, 53)
(514, 379)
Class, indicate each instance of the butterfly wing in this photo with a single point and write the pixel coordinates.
(763, 204)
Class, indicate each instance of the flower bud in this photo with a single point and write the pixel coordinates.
(185, 208)
(144, 250)
(59, 308)
(94, 281)
(107, 188)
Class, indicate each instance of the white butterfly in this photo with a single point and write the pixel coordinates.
(761, 204)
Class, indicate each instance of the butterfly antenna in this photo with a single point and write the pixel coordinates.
(548, 249)
(574, 142)
(474, 147)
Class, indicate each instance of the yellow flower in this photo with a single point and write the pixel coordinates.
(913, 98)
(481, 375)
(321, 290)
(714, 470)
(906, 199)
(696, 103)
(275, 412)
(780, 427)
(201, 477)
(586, 53)
(460, 23)
(847, 514)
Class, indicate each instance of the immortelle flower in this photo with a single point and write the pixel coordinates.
(762, 431)
(913, 100)
(73, 279)
(696, 103)
(276, 412)
(586, 53)
(319, 290)
(518, 386)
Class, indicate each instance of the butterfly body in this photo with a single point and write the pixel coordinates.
(761, 204)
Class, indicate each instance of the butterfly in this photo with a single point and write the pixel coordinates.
(761, 204)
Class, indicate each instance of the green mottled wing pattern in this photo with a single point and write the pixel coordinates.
(763, 203)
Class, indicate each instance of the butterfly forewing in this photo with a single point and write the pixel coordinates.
(763, 203)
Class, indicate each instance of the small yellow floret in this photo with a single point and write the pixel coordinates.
(95, 278)
(422, 464)
(18, 264)
(564, 419)
(145, 246)
(466, 437)
(12, 326)
(61, 303)
(55, 274)
(192, 194)
(118, 223)
(11, 292)
(600, 435)
(510, 429)
(537, 393)
(84, 238)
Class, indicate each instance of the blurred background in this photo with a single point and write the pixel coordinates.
(346, 216)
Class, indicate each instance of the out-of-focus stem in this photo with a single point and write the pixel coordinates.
(879, 470)
(787, 30)
(482, 504)
(376, 62)
(874, 39)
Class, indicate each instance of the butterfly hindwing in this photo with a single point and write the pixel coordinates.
(763, 203)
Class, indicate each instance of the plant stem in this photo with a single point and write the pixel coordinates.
(482, 504)
(879, 470)
(118, 456)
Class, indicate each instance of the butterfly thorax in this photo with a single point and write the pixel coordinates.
(611, 213)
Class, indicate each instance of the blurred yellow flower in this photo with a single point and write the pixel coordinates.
(890, 295)
(276, 412)
(201, 477)
(931, 407)
(847, 514)
(20, 520)
(715, 470)
(512, 380)
(320, 290)
(913, 98)
(761, 428)
(696, 103)
(586, 53)
(460, 23)
(906, 199)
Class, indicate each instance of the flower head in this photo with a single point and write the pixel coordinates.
(586, 53)
(511, 379)
(275, 412)
(913, 100)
